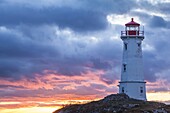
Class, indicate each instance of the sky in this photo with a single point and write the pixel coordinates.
(57, 52)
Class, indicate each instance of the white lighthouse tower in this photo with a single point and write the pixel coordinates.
(132, 79)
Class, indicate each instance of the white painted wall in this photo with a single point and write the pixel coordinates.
(132, 79)
(133, 90)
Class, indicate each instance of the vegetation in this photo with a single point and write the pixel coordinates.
(117, 103)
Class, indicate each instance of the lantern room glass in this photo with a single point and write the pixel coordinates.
(132, 28)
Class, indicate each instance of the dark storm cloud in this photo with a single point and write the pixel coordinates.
(95, 58)
(69, 69)
(18, 55)
(30, 49)
(21, 47)
(28, 55)
(164, 7)
(81, 20)
(156, 61)
(9, 68)
(98, 64)
(110, 6)
(24, 55)
(31, 52)
(152, 66)
(157, 21)
(89, 16)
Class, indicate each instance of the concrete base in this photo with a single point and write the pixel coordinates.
(134, 89)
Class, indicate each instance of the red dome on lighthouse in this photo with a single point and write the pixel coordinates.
(132, 23)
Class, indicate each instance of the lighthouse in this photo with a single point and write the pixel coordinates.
(132, 80)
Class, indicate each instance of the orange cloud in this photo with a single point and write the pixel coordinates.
(54, 90)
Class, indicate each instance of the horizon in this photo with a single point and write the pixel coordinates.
(56, 52)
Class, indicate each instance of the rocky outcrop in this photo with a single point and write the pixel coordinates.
(117, 103)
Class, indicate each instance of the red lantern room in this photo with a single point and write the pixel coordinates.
(132, 29)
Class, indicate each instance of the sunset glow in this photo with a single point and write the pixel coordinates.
(31, 110)
(159, 96)
(49, 107)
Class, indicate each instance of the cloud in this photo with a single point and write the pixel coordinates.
(19, 54)
(163, 7)
(109, 6)
(84, 16)
(61, 16)
(53, 84)
(26, 52)
(157, 21)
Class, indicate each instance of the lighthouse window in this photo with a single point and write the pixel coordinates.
(132, 28)
(125, 46)
(139, 44)
(124, 67)
(141, 89)
(123, 90)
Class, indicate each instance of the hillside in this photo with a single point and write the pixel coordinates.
(117, 103)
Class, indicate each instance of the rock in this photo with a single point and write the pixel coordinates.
(162, 110)
(117, 103)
